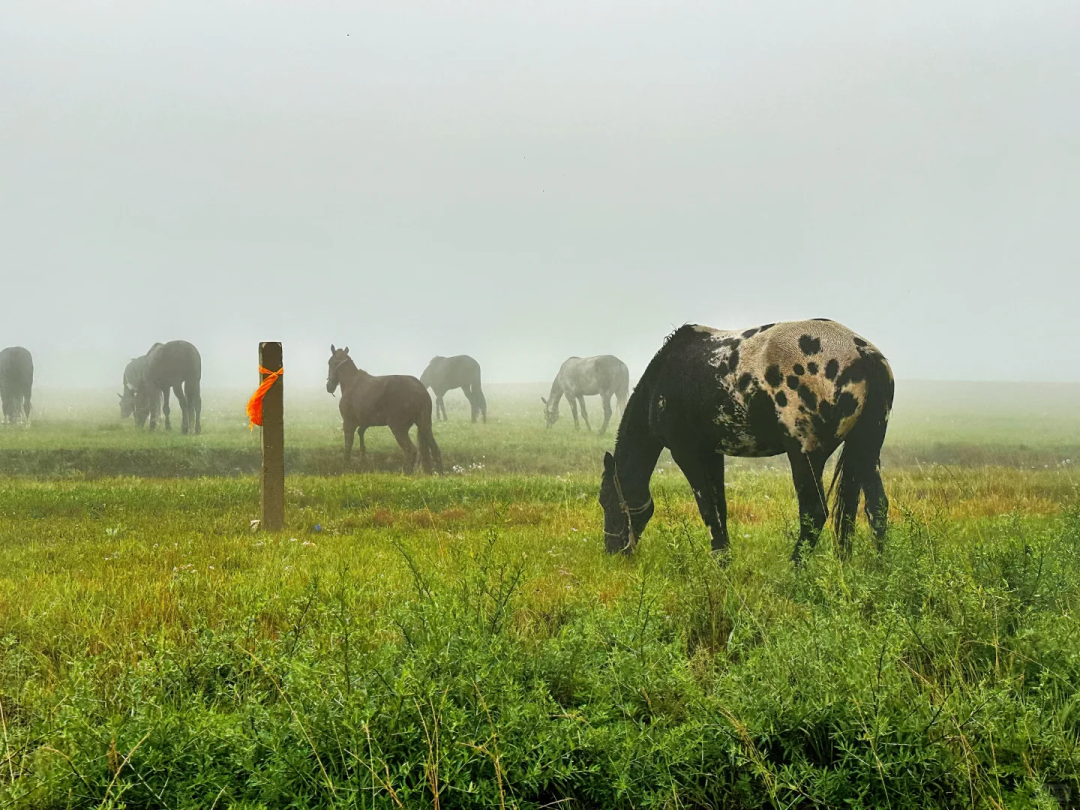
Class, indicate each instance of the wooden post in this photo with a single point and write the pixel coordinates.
(273, 442)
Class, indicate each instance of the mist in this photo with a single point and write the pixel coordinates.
(526, 183)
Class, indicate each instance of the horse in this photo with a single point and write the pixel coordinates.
(137, 405)
(581, 377)
(16, 382)
(175, 365)
(396, 401)
(460, 371)
(801, 388)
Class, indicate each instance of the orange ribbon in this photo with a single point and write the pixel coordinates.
(254, 406)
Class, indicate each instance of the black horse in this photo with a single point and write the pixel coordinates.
(175, 365)
(460, 371)
(801, 388)
(16, 382)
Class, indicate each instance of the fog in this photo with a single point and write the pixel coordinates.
(526, 182)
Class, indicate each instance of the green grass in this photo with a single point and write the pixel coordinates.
(463, 641)
(79, 434)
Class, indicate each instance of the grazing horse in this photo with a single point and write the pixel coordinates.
(175, 365)
(397, 401)
(801, 388)
(138, 405)
(16, 381)
(460, 371)
(582, 377)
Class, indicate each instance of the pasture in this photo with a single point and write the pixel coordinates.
(463, 641)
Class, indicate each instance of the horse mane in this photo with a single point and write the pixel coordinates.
(677, 335)
(652, 369)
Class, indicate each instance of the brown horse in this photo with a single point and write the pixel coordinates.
(396, 401)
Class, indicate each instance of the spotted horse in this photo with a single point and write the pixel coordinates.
(800, 387)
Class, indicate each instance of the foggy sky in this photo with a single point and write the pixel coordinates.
(523, 182)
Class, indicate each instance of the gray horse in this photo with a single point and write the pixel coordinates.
(174, 366)
(16, 380)
(459, 371)
(582, 377)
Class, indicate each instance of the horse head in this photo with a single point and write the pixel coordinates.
(338, 358)
(551, 415)
(623, 523)
(127, 402)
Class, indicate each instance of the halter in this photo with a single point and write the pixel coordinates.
(334, 370)
(628, 511)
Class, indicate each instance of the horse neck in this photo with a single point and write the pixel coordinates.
(348, 374)
(555, 394)
(636, 449)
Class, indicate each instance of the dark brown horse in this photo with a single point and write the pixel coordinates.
(175, 366)
(459, 371)
(16, 380)
(396, 401)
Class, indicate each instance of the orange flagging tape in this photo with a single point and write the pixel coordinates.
(254, 406)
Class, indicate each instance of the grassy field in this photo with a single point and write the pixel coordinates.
(463, 641)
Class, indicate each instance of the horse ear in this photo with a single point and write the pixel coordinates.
(346, 350)
(332, 349)
(120, 397)
(543, 400)
(609, 463)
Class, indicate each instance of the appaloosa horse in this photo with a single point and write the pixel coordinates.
(459, 371)
(397, 401)
(16, 382)
(801, 388)
(581, 377)
(175, 365)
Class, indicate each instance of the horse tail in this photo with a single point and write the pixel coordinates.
(859, 463)
(429, 450)
(622, 387)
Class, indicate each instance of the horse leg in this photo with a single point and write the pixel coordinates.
(165, 406)
(584, 413)
(877, 505)
(185, 406)
(606, 402)
(360, 431)
(573, 410)
(474, 410)
(155, 409)
(707, 481)
(440, 407)
(401, 433)
(350, 433)
(193, 392)
(806, 474)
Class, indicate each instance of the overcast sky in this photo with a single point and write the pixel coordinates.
(523, 182)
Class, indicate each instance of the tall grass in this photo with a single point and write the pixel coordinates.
(464, 642)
